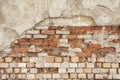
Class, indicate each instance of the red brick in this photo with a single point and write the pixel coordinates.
(74, 32)
(87, 70)
(30, 54)
(52, 27)
(49, 59)
(113, 30)
(22, 40)
(54, 70)
(107, 49)
(98, 28)
(98, 65)
(22, 49)
(70, 28)
(48, 40)
(53, 53)
(47, 31)
(109, 28)
(84, 54)
(89, 49)
(12, 54)
(85, 28)
(75, 42)
(18, 59)
(58, 59)
(21, 54)
(116, 40)
(82, 59)
(25, 59)
(51, 40)
(30, 65)
(77, 28)
(44, 45)
(17, 70)
(73, 76)
(78, 32)
(53, 45)
(63, 49)
(73, 36)
(8, 59)
(81, 32)
(54, 36)
(47, 50)
(36, 41)
(59, 28)
(74, 59)
(94, 45)
(88, 28)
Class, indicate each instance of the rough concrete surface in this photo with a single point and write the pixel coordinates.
(16, 16)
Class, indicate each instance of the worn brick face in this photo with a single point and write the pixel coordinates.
(72, 36)
(22, 40)
(58, 59)
(17, 70)
(90, 49)
(84, 54)
(47, 32)
(8, 59)
(95, 45)
(36, 41)
(21, 49)
(49, 59)
(3, 65)
(107, 49)
(25, 59)
(75, 59)
(64, 53)
(75, 42)
(116, 40)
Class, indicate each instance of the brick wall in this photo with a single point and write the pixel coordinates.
(64, 52)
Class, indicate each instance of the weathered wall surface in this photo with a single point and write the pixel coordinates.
(16, 16)
(64, 53)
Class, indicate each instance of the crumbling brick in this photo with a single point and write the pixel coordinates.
(63, 53)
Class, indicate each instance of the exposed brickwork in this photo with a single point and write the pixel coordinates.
(64, 52)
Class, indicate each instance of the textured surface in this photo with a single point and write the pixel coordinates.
(16, 16)
(64, 52)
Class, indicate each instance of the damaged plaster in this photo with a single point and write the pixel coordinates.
(16, 16)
